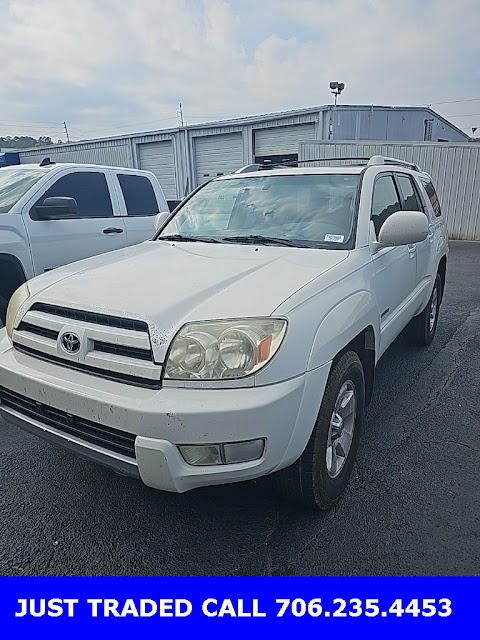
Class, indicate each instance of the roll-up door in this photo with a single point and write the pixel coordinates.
(217, 155)
(157, 157)
(278, 140)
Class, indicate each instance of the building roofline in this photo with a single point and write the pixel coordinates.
(242, 120)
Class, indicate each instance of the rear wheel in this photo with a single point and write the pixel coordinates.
(319, 477)
(421, 329)
(3, 311)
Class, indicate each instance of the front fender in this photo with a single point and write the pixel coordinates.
(14, 245)
(341, 325)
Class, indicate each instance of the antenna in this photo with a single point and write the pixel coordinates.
(66, 131)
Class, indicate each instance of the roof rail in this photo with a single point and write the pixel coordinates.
(248, 168)
(374, 160)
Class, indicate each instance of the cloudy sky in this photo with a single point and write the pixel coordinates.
(115, 66)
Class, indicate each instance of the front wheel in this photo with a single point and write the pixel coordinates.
(421, 329)
(319, 477)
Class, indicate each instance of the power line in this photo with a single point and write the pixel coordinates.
(464, 115)
(457, 101)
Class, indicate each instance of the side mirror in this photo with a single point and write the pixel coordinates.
(160, 218)
(57, 208)
(404, 227)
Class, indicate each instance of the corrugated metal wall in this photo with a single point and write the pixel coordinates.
(116, 153)
(455, 169)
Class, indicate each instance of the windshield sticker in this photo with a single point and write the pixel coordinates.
(332, 237)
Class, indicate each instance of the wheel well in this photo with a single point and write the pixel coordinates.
(442, 270)
(364, 346)
(12, 275)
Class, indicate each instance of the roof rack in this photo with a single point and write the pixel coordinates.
(372, 161)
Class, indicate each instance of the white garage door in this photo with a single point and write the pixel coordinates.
(158, 158)
(282, 139)
(218, 155)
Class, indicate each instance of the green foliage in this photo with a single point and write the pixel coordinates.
(24, 142)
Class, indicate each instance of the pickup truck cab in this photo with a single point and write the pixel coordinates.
(52, 214)
(251, 348)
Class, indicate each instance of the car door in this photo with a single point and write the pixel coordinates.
(139, 205)
(94, 229)
(411, 201)
(395, 267)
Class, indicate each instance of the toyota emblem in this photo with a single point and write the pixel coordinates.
(70, 342)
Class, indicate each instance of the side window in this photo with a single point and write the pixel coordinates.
(385, 201)
(139, 195)
(410, 199)
(90, 190)
(432, 196)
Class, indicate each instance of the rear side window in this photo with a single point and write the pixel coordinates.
(139, 195)
(410, 199)
(385, 201)
(432, 196)
(90, 190)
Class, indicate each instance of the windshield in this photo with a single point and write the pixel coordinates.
(14, 183)
(301, 210)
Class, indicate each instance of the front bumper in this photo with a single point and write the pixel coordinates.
(282, 413)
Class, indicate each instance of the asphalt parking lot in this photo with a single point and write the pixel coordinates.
(412, 507)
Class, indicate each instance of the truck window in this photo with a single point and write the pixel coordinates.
(385, 201)
(410, 199)
(139, 195)
(90, 190)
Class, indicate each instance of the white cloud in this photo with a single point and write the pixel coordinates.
(100, 64)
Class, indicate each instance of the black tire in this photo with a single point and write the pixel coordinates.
(3, 311)
(307, 481)
(420, 331)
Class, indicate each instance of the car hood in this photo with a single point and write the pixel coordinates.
(167, 284)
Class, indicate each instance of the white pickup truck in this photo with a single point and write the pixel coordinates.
(251, 347)
(52, 214)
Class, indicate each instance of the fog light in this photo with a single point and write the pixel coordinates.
(200, 455)
(243, 451)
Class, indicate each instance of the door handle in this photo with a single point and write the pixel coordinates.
(411, 250)
(109, 230)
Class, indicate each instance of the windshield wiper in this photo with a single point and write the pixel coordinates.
(265, 240)
(180, 238)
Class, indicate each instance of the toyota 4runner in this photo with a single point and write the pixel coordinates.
(240, 341)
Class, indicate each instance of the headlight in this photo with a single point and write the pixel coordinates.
(223, 349)
(20, 296)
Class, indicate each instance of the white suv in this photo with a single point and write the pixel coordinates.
(242, 340)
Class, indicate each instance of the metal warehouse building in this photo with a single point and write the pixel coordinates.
(184, 157)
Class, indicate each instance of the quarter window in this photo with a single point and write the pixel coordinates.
(139, 195)
(90, 190)
(432, 196)
(385, 201)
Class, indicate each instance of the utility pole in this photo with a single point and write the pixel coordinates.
(66, 131)
(180, 114)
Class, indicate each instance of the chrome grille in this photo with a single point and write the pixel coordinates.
(111, 347)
